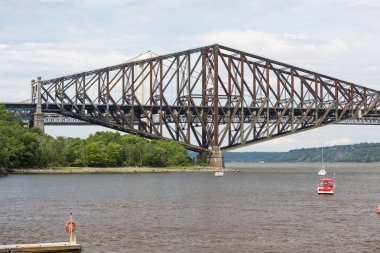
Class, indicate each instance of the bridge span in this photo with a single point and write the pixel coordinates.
(209, 99)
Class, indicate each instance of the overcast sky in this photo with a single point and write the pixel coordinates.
(52, 38)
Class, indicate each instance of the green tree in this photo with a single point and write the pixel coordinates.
(115, 154)
(155, 155)
(21, 147)
(95, 155)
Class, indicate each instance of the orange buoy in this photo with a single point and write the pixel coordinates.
(70, 226)
(378, 210)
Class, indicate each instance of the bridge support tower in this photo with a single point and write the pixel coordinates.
(216, 158)
(38, 116)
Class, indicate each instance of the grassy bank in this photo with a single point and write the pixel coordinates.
(99, 170)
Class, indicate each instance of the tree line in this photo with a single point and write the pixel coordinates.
(21, 147)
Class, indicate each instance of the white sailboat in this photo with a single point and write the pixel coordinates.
(322, 171)
(219, 173)
(325, 185)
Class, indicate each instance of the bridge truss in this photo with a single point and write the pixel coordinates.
(207, 97)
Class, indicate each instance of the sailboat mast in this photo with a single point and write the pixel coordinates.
(322, 156)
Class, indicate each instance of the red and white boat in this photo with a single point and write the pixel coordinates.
(326, 186)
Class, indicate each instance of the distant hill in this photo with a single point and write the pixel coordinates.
(364, 152)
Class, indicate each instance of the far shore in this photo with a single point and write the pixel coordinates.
(104, 170)
(305, 167)
(230, 168)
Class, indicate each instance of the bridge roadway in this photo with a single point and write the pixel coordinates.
(53, 116)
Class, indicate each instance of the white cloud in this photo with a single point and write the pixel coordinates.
(285, 141)
(277, 144)
(338, 56)
(365, 4)
(277, 45)
(322, 136)
(52, 38)
(341, 141)
(21, 63)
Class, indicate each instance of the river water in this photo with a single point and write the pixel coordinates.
(251, 211)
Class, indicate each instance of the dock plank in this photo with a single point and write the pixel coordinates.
(59, 247)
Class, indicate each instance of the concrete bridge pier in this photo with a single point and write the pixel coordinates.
(216, 158)
(38, 116)
(38, 121)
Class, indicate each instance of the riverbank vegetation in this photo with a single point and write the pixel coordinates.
(21, 148)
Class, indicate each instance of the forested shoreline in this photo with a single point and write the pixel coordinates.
(356, 153)
(28, 148)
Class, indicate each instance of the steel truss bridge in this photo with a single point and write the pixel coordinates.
(205, 98)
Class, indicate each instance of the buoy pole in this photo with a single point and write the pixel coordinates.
(71, 230)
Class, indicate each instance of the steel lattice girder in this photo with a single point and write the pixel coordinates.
(209, 96)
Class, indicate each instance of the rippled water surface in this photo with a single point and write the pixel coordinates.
(250, 211)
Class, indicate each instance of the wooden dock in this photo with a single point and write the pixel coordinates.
(59, 247)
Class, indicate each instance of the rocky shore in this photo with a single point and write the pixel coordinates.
(3, 172)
